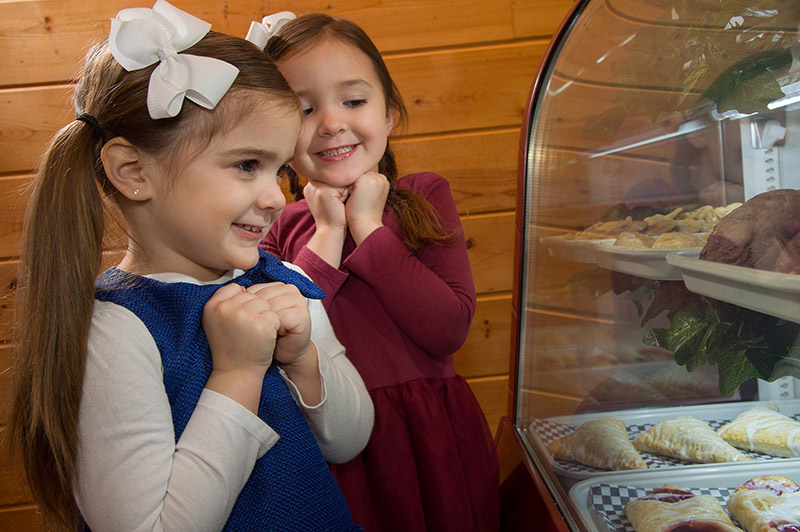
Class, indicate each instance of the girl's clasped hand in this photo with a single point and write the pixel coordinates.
(248, 327)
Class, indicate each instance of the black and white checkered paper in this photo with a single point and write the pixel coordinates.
(550, 431)
(609, 502)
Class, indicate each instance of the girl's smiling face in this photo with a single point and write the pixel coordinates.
(211, 217)
(345, 123)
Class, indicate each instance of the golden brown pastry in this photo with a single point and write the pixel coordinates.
(659, 224)
(602, 443)
(607, 229)
(689, 225)
(765, 430)
(767, 504)
(671, 508)
(687, 438)
(677, 240)
(630, 239)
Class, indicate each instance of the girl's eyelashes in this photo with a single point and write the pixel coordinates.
(248, 166)
(355, 103)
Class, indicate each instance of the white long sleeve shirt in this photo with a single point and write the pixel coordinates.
(132, 475)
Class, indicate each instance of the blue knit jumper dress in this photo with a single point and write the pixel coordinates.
(291, 487)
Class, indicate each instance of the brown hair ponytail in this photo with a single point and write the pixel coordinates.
(416, 215)
(61, 252)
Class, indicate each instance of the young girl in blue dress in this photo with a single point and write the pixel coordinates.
(197, 385)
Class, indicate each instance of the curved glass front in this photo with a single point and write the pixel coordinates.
(650, 124)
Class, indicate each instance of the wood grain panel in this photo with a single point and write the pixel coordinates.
(487, 348)
(5, 386)
(14, 193)
(44, 40)
(481, 167)
(480, 87)
(490, 242)
(28, 120)
(448, 91)
(13, 485)
(539, 17)
(492, 394)
(8, 286)
(20, 519)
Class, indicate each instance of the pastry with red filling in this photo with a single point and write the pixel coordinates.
(672, 509)
(767, 504)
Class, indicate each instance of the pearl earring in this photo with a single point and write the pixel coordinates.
(136, 192)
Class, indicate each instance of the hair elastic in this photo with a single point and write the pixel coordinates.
(92, 121)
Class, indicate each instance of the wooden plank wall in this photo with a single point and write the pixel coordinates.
(464, 67)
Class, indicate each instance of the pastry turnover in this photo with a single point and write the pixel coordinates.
(634, 240)
(765, 430)
(602, 443)
(767, 504)
(678, 240)
(670, 509)
(687, 438)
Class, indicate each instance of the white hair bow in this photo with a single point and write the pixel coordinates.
(140, 37)
(260, 32)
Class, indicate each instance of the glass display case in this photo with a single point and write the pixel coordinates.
(658, 253)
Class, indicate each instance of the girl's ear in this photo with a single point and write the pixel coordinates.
(391, 114)
(126, 168)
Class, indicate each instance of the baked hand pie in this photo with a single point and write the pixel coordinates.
(670, 509)
(687, 438)
(602, 443)
(767, 504)
(765, 430)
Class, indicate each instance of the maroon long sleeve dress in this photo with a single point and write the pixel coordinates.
(430, 464)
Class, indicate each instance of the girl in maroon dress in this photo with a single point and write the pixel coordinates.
(391, 257)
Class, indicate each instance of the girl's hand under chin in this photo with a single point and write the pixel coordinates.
(326, 204)
(364, 208)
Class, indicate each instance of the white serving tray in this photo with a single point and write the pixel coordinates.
(567, 249)
(642, 262)
(639, 420)
(604, 514)
(776, 294)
